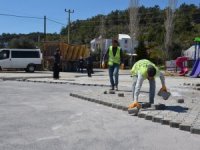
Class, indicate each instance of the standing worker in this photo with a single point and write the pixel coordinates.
(141, 70)
(114, 56)
(80, 64)
(56, 68)
(89, 63)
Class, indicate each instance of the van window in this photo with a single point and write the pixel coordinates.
(25, 54)
(4, 54)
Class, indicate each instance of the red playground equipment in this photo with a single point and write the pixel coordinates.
(180, 63)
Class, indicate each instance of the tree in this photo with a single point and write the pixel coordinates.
(1, 45)
(22, 43)
(157, 55)
(141, 51)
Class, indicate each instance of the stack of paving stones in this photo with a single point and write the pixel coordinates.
(163, 114)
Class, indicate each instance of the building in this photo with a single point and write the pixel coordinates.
(125, 42)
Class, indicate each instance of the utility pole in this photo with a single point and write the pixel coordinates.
(133, 25)
(69, 13)
(45, 24)
(169, 26)
(102, 34)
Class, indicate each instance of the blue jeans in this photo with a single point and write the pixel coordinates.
(114, 70)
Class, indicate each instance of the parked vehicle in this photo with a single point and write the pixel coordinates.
(70, 55)
(27, 59)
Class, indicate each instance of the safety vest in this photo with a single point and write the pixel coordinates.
(141, 67)
(114, 59)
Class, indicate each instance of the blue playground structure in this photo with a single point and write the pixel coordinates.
(196, 67)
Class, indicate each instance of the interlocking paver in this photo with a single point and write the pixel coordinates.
(180, 111)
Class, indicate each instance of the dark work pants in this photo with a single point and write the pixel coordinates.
(56, 71)
(89, 70)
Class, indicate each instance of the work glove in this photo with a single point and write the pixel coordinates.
(164, 89)
(122, 65)
(134, 104)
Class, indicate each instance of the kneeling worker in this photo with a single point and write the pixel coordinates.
(141, 70)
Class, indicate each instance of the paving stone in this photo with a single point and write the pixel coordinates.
(175, 123)
(105, 92)
(197, 84)
(114, 106)
(180, 100)
(195, 129)
(124, 108)
(165, 95)
(149, 116)
(145, 105)
(142, 114)
(185, 126)
(85, 98)
(104, 103)
(95, 100)
(133, 111)
(111, 92)
(100, 102)
(74, 95)
(119, 107)
(109, 104)
(91, 99)
(166, 120)
(121, 94)
(157, 118)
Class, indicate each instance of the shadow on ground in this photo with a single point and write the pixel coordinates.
(178, 109)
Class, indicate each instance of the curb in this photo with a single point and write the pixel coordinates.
(112, 105)
(154, 117)
(54, 82)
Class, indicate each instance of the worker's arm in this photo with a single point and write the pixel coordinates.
(105, 57)
(121, 57)
(138, 86)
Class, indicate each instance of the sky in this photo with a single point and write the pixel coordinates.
(54, 10)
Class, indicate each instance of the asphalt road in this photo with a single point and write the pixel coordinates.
(40, 116)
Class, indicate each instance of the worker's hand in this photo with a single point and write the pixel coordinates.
(164, 88)
(122, 66)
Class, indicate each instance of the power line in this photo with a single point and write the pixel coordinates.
(32, 17)
(11, 15)
(56, 21)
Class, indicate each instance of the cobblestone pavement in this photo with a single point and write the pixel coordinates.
(182, 109)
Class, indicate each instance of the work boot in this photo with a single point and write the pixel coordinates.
(112, 88)
(116, 88)
(134, 104)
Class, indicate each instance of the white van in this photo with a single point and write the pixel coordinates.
(27, 59)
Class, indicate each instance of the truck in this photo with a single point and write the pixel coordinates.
(70, 55)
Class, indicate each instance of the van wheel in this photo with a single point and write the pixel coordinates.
(30, 68)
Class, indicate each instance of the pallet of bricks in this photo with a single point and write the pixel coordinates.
(69, 55)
